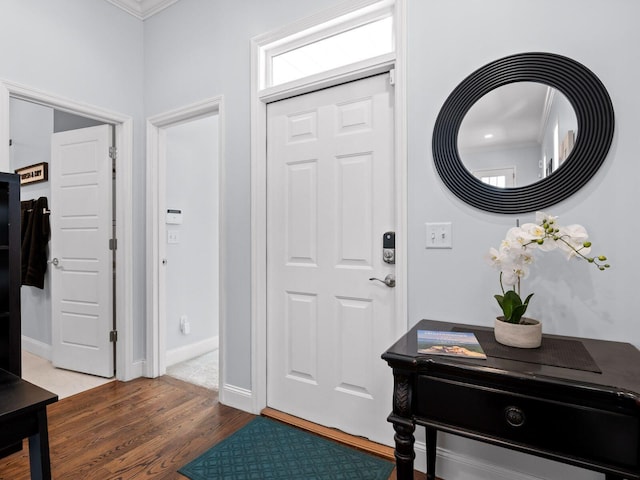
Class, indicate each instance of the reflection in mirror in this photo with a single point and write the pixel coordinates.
(517, 134)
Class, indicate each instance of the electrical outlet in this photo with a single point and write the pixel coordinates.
(173, 237)
(185, 326)
(438, 235)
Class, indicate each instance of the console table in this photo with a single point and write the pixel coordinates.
(23, 414)
(586, 418)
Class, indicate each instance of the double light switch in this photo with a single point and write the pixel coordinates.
(438, 235)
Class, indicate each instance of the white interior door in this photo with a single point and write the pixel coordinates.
(82, 262)
(330, 198)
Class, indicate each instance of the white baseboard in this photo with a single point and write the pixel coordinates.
(193, 350)
(41, 349)
(236, 397)
(456, 466)
(136, 370)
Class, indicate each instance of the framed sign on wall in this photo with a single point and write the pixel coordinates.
(36, 173)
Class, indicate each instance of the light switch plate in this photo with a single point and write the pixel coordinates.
(173, 236)
(438, 235)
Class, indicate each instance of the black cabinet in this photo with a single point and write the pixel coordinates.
(10, 337)
(584, 417)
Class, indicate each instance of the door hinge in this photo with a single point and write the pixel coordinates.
(113, 336)
(113, 154)
(113, 244)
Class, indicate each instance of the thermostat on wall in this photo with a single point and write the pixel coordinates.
(174, 216)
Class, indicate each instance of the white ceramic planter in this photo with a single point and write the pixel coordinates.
(520, 335)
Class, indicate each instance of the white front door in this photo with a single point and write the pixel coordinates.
(81, 260)
(330, 199)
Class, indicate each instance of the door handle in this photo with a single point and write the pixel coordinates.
(389, 280)
(54, 262)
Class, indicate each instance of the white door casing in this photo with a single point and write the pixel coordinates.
(126, 367)
(82, 262)
(156, 230)
(330, 198)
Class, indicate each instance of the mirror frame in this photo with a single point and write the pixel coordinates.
(594, 112)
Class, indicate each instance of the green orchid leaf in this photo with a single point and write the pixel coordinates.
(512, 307)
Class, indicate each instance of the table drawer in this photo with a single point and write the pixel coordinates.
(604, 437)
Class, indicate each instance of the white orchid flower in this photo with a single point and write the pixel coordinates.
(534, 231)
(518, 236)
(571, 240)
(512, 274)
(494, 257)
(516, 253)
(526, 258)
(509, 278)
(542, 217)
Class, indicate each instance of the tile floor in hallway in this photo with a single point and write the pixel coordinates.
(202, 370)
(63, 383)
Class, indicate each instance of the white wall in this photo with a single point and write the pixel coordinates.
(561, 114)
(447, 41)
(91, 52)
(31, 129)
(199, 49)
(196, 49)
(572, 298)
(192, 267)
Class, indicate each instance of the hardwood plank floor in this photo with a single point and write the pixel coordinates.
(143, 429)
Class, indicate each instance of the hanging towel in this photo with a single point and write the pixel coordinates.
(35, 232)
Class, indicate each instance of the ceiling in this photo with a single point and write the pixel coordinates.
(142, 9)
(512, 115)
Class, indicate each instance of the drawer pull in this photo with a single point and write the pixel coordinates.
(514, 416)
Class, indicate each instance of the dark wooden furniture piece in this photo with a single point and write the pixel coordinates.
(10, 267)
(583, 418)
(23, 414)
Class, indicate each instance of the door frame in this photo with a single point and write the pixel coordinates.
(156, 153)
(125, 367)
(255, 399)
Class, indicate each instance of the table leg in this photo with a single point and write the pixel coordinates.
(39, 460)
(404, 452)
(431, 439)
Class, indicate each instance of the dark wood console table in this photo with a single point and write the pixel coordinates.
(23, 414)
(590, 419)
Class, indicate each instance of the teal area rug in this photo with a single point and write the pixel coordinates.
(268, 450)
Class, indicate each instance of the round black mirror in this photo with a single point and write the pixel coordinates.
(595, 126)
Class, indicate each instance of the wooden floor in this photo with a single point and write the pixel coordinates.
(146, 428)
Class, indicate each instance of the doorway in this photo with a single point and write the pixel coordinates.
(330, 203)
(189, 250)
(264, 50)
(41, 133)
(126, 368)
(185, 270)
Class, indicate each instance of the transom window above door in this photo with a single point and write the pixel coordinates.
(362, 35)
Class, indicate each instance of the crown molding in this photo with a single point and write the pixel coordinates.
(142, 9)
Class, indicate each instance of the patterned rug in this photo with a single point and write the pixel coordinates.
(268, 450)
